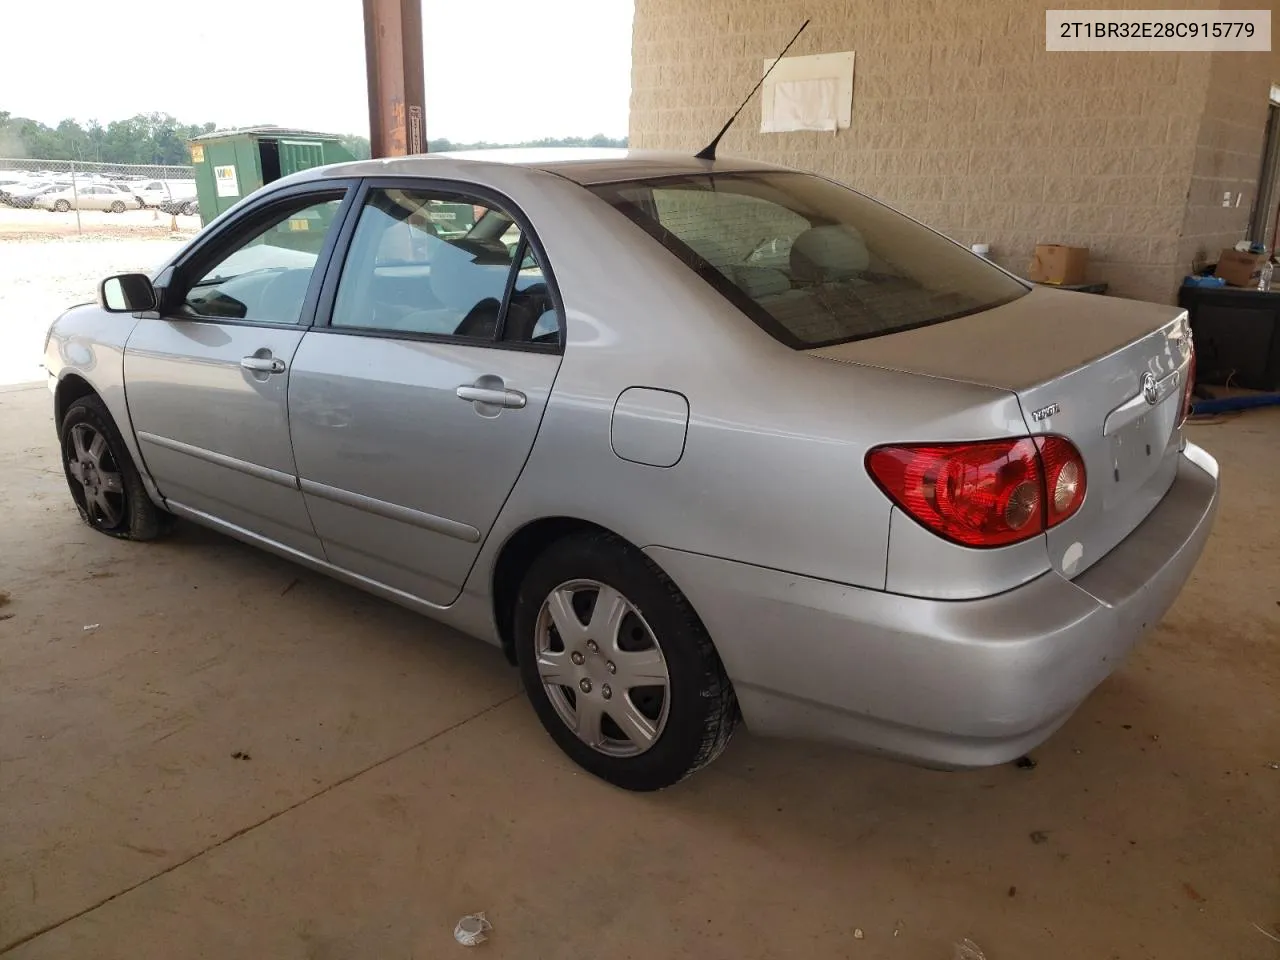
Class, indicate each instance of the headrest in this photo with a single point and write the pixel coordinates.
(824, 254)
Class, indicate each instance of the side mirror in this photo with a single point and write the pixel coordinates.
(127, 293)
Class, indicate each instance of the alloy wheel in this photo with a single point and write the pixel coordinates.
(91, 465)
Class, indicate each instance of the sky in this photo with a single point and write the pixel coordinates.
(496, 70)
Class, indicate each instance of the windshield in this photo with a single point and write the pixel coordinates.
(811, 262)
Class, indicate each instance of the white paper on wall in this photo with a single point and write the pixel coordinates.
(804, 105)
(808, 93)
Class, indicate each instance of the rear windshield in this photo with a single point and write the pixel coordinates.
(811, 262)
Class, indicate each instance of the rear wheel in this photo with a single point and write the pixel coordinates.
(190, 209)
(62, 206)
(117, 206)
(105, 483)
(620, 671)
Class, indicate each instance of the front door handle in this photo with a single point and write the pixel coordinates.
(263, 364)
(493, 396)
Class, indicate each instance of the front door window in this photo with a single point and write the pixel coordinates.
(265, 277)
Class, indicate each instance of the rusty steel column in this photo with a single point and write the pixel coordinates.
(393, 62)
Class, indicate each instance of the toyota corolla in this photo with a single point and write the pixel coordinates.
(694, 441)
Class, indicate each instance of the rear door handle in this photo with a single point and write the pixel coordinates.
(263, 364)
(494, 396)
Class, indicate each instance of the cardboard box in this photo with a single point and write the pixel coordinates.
(1060, 264)
(1240, 269)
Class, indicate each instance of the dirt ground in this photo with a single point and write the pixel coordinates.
(136, 224)
(208, 752)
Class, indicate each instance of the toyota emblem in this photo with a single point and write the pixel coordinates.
(1150, 389)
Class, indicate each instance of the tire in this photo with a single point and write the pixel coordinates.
(653, 632)
(62, 206)
(190, 209)
(105, 483)
(117, 206)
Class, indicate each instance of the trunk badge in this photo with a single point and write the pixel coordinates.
(1150, 389)
(1044, 413)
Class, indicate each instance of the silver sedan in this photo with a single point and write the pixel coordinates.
(88, 196)
(693, 441)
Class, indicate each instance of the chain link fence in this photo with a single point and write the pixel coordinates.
(76, 187)
(89, 169)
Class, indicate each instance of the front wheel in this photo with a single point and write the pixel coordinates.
(62, 206)
(621, 672)
(105, 483)
(117, 206)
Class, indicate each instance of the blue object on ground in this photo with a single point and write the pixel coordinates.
(1231, 404)
(1197, 281)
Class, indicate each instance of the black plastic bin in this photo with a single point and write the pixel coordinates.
(1237, 335)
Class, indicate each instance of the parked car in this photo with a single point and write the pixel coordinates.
(154, 193)
(180, 206)
(8, 181)
(23, 195)
(876, 491)
(90, 196)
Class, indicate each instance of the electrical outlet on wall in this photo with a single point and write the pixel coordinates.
(1226, 199)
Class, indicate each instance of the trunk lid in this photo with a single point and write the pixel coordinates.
(1106, 373)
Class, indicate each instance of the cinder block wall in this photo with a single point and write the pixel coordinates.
(962, 119)
(1228, 154)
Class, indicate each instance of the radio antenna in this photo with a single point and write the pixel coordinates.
(709, 151)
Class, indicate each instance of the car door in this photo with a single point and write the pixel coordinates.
(90, 197)
(415, 400)
(206, 377)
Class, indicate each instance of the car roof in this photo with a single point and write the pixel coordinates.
(585, 166)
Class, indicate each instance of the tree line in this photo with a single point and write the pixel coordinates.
(152, 138)
(158, 138)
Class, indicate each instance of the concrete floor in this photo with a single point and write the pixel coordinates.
(397, 780)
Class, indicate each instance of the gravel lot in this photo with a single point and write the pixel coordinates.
(95, 223)
(46, 266)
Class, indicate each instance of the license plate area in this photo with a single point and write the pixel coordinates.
(1138, 450)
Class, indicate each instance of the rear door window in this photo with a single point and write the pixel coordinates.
(436, 263)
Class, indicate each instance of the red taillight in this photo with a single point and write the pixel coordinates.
(1189, 387)
(986, 494)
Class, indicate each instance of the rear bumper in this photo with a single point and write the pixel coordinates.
(944, 683)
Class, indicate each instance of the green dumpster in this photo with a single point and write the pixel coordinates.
(231, 164)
